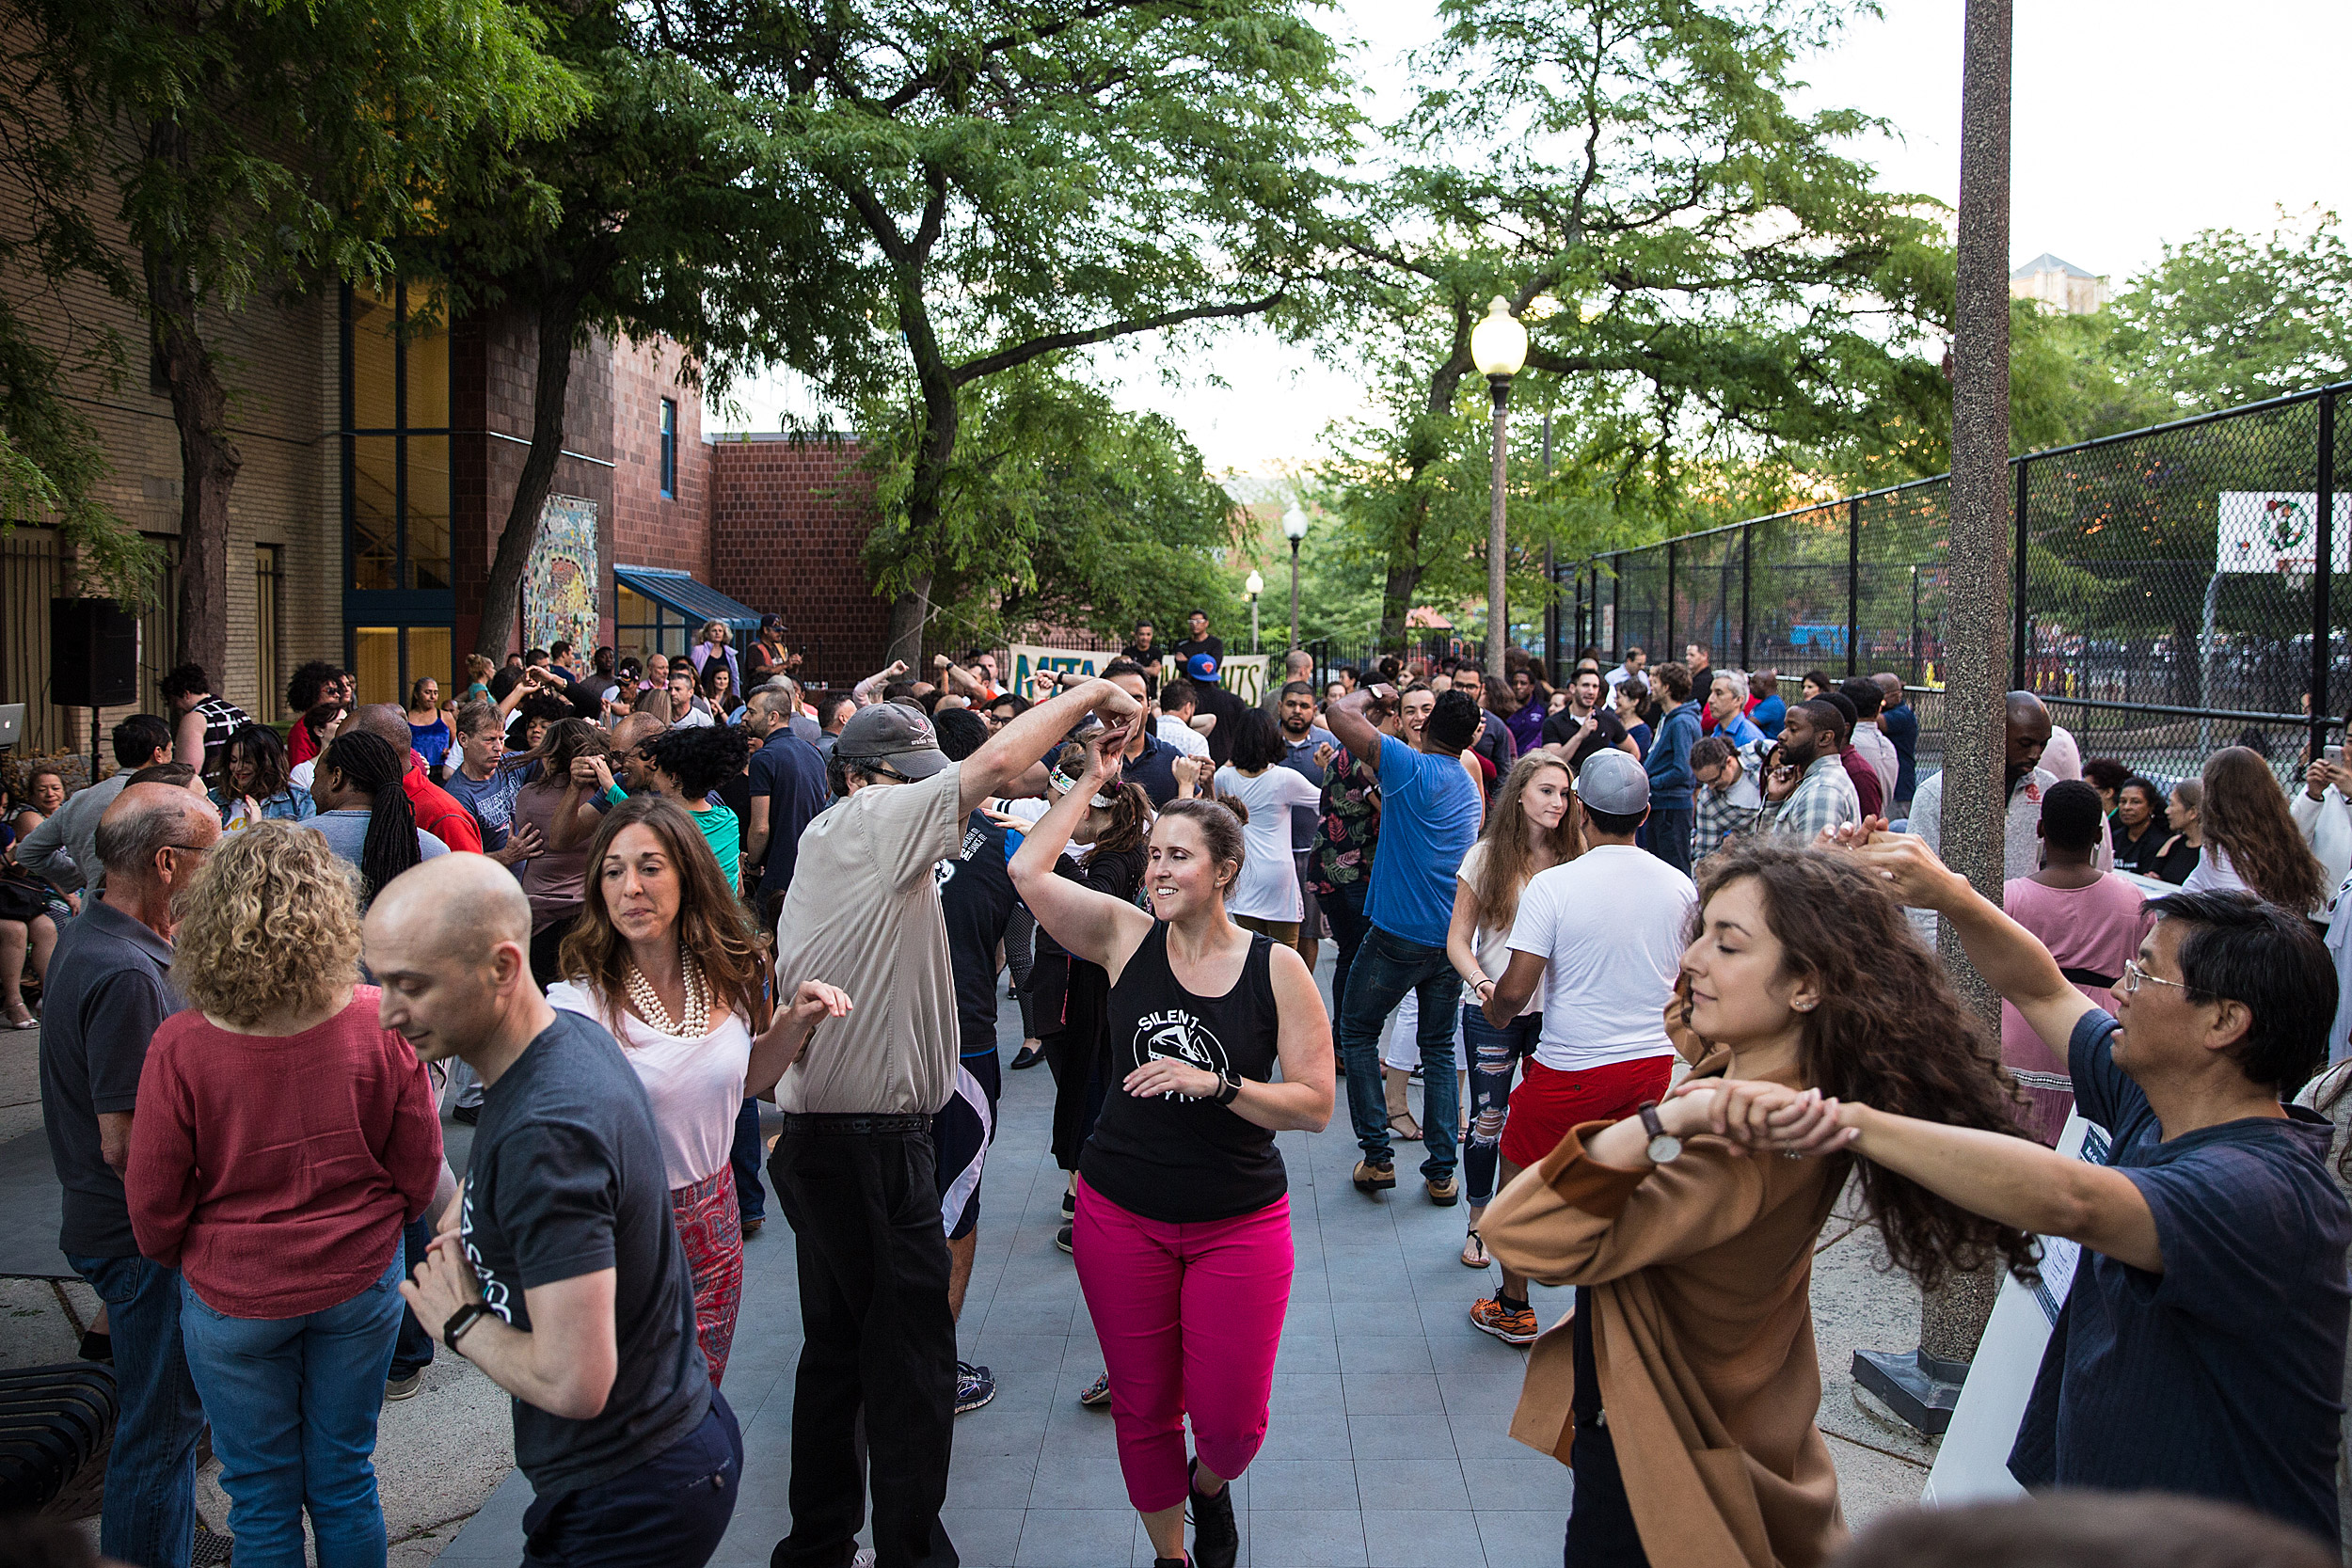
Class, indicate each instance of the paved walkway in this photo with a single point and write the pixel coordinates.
(1388, 1445)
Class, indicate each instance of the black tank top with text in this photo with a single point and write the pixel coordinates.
(1173, 1157)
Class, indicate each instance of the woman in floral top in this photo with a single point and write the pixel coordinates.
(1340, 873)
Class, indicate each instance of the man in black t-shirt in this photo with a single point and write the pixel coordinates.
(1150, 761)
(2200, 1348)
(1201, 643)
(1218, 704)
(1587, 724)
(1145, 655)
(561, 1275)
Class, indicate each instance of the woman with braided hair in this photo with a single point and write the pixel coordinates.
(364, 812)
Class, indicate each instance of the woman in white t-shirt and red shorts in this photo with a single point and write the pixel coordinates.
(1598, 941)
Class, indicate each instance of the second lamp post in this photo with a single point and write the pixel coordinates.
(1497, 348)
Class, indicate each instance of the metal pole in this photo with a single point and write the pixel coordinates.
(1617, 607)
(2207, 635)
(2323, 563)
(1914, 626)
(1294, 592)
(1924, 1385)
(1747, 574)
(1253, 623)
(1853, 584)
(1552, 576)
(1498, 622)
(2021, 625)
(1666, 643)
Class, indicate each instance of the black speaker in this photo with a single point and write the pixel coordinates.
(93, 654)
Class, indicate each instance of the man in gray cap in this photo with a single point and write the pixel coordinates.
(1602, 936)
(854, 1166)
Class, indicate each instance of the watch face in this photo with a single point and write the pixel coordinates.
(1663, 1147)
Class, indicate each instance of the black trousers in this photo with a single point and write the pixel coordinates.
(672, 1509)
(1601, 1533)
(878, 1346)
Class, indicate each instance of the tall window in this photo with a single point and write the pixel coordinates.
(268, 572)
(643, 626)
(396, 441)
(668, 449)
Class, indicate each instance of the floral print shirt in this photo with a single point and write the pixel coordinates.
(1350, 826)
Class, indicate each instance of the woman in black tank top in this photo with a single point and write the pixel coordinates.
(1182, 1229)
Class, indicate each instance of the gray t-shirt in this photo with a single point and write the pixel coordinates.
(109, 992)
(864, 915)
(346, 834)
(63, 850)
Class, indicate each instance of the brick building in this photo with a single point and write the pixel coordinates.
(381, 454)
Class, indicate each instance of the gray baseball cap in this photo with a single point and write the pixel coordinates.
(895, 736)
(1610, 781)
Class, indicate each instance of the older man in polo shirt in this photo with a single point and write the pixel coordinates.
(854, 1166)
(109, 989)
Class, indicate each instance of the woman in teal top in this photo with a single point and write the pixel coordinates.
(688, 766)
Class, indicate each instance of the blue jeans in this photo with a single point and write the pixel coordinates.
(1494, 1055)
(1386, 967)
(1670, 835)
(670, 1510)
(1344, 906)
(294, 1403)
(413, 1352)
(750, 1198)
(149, 1515)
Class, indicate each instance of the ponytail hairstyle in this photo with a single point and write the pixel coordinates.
(367, 762)
(1220, 826)
(1130, 826)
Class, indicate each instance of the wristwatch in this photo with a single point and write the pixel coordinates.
(1663, 1146)
(1232, 1089)
(460, 1321)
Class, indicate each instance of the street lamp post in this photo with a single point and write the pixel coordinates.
(1255, 586)
(1497, 348)
(1295, 530)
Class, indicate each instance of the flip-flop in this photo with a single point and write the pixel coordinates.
(1479, 1241)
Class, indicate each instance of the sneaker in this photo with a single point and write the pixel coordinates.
(1062, 1239)
(402, 1386)
(1215, 1538)
(1098, 1393)
(864, 1557)
(1374, 1179)
(1488, 1316)
(467, 1115)
(1444, 1191)
(974, 1386)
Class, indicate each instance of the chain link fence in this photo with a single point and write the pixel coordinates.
(2171, 591)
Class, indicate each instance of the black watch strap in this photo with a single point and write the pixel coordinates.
(1647, 1110)
(460, 1321)
(1231, 1091)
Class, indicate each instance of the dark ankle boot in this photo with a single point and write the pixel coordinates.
(1215, 1538)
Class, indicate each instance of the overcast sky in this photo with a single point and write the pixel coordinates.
(2136, 123)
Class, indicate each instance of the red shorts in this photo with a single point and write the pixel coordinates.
(1548, 1104)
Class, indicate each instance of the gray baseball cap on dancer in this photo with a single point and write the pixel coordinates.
(1611, 780)
(892, 735)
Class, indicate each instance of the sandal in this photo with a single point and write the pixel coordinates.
(21, 1017)
(1410, 1132)
(1475, 1244)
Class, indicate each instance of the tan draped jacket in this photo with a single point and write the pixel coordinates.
(1701, 1271)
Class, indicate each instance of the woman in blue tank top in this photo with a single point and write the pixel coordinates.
(1182, 1230)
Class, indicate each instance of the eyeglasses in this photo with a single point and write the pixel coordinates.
(2134, 975)
(191, 849)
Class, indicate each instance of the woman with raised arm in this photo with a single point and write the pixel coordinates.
(663, 955)
(1183, 1244)
(1536, 825)
(1684, 1387)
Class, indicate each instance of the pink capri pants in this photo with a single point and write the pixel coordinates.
(1189, 1317)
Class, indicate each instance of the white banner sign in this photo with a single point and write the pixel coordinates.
(1245, 674)
(2278, 531)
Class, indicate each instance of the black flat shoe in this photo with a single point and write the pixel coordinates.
(1025, 1057)
(98, 1347)
(1215, 1538)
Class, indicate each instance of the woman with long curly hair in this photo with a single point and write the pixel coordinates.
(663, 955)
(1534, 827)
(1694, 1327)
(2251, 842)
(283, 1208)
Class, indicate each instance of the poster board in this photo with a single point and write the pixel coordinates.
(2262, 531)
(1971, 1465)
(561, 586)
(1245, 674)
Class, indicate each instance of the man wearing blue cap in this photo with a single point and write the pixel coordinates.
(1212, 699)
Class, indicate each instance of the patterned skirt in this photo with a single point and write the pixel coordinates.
(711, 1227)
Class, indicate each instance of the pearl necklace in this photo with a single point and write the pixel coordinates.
(641, 996)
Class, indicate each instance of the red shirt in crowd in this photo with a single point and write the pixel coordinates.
(277, 1171)
(301, 745)
(1866, 782)
(437, 811)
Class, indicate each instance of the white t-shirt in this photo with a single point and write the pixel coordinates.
(1612, 926)
(2214, 873)
(1267, 888)
(695, 1085)
(1493, 946)
(1186, 739)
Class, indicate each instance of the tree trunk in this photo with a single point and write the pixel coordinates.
(935, 446)
(208, 462)
(502, 597)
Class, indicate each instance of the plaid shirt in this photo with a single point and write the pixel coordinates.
(1825, 798)
(1720, 815)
